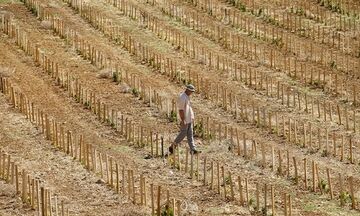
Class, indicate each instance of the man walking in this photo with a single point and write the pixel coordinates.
(186, 120)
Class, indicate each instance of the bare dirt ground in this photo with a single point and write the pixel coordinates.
(83, 192)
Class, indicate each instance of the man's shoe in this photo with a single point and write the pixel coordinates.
(171, 149)
(195, 151)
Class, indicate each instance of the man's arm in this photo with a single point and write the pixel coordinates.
(182, 117)
(181, 108)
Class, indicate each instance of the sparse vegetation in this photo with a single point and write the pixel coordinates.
(135, 92)
(87, 105)
(199, 129)
(116, 77)
(333, 64)
(345, 197)
(233, 51)
(324, 153)
(167, 211)
(277, 42)
(173, 116)
(251, 201)
(323, 185)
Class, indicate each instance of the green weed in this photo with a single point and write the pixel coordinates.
(259, 13)
(227, 180)
(251, 201)
(173, 116)
(323, 185)
(87, 105)
(116, 77)
(333, 64)
(135, 92)
(345, 196)
(277, 42)
(324, 153)
(167, 211)
(199, 129)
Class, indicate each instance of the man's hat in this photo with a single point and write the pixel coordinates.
(190, 88)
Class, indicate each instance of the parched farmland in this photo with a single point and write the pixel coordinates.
(89, 107)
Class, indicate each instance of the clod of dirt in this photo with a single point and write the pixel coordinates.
(6, 72)
(202, 61)
(124, 88)
(45, 24)
(147, 157)
(6, 13)
(104, 74)
(100, 181)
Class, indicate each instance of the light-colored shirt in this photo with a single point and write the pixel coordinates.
(184, 103)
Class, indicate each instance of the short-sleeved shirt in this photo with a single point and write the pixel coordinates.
(185, 104)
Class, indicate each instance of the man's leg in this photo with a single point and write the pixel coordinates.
(190, 136)
(179, 138)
